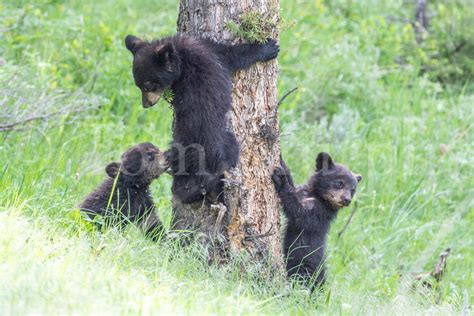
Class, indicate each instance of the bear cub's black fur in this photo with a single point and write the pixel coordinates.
(199, 73)
(125, 196)
(309, 210)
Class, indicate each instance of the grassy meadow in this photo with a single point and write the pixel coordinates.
(396, 110)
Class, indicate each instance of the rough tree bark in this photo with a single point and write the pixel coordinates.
(251, 204)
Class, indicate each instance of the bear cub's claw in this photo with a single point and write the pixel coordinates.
(270, 49)
(279, 177)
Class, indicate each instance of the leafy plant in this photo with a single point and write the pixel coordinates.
(254, 27)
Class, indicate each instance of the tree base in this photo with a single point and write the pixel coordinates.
(219, 232)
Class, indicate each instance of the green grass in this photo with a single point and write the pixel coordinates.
(367, 94)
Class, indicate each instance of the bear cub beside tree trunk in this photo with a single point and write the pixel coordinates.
(310, 209)
(124, 196)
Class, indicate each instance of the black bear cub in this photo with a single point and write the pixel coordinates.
(309, 209)
(125, 196)
(199, 73)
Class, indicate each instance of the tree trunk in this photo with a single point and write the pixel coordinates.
(421, 20)
(250, 218)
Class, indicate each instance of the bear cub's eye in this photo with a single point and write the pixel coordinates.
(150, 156)
(339, 184)
(149, 86)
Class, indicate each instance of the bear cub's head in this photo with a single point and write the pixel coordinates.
(333, 183)
(140, 164)
(156, 65)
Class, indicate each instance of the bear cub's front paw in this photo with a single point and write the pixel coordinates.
(269, 50)
(279, 178)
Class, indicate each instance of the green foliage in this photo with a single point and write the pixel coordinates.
(254, 27)
(449, 43)
(369, 94)
(168, 95)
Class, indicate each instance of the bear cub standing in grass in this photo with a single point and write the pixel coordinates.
(309, 209)
(125, 196)
(199, 74)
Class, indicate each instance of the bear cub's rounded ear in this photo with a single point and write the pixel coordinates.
(133, 43)
(113, 169)
(324, 161)
(166, 54)
(358, 177)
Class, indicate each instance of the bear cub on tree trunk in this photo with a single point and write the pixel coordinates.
(199, 73)
(125, 196)
(309, 209)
